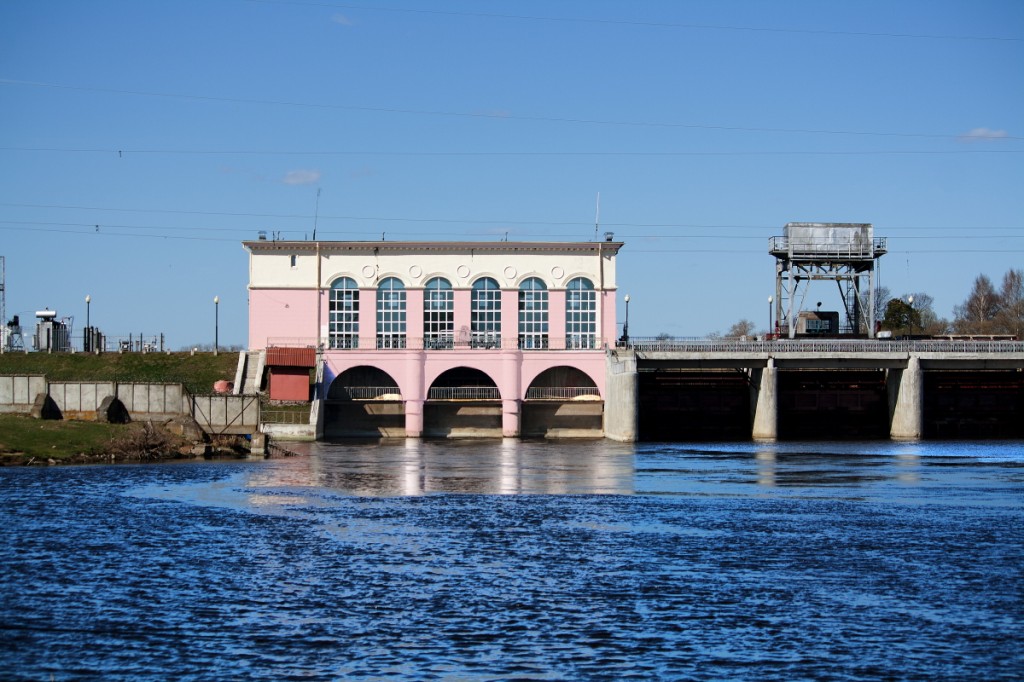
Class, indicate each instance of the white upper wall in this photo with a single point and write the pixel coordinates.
(294, 264)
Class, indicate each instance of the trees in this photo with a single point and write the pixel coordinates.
(882, 298)
(741, 328)
(988, 311)
(903, 317)
(1010, 318)
(977, 314)
(900, 316)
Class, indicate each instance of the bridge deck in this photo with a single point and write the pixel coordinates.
(829, 353)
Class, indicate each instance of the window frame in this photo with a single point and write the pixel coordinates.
(534, 322)
(392, 304)
(343, 314)
(438, 314)
(580, 314)
(485, 313)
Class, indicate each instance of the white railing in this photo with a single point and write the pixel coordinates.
(463, 393)
(365, 392)
(561, 392)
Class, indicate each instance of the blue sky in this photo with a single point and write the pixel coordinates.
(141, 142)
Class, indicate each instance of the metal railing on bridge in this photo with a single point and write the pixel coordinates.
(781, 346)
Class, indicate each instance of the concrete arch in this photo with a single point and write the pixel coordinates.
(533, 275)
(498, 279)
(581, 275)
(563, 375)
(462, 374)
(429, 276)
(360, 376)
(363, 401)
(330, 279)
(463, 402)
(572, 407)
(381, 276)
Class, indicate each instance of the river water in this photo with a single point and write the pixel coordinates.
(521, 561)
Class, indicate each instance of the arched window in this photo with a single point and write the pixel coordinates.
(580, 314)
(343, 324)
(439, 314)
(485, 318)
(391, 313)
(533, 314)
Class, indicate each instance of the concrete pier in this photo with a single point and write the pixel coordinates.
(906, 401)
(765, 383)
(622, 397)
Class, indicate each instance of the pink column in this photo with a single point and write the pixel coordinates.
(367, 318)
(463, 315)
(509, 318)
(413, 391)
(414, 317)
(413, 418)
(511, 387)
(556, 319)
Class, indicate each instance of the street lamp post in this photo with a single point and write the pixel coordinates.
(87, 341)
(625, 325)
(770, 299)
(216, 324)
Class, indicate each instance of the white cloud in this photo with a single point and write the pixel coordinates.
(981, 134)
(301, 177)
(341, 19)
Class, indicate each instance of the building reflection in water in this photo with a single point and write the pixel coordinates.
(413, 466)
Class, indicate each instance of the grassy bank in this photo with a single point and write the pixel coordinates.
(23, 438)
(197, 372)
(28, 441)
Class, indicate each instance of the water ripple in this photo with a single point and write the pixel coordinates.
(706, 569)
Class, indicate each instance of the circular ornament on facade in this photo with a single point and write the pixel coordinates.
(369, 270)
(557, 272)
(510, 272)
(416, 271)
(463, 271)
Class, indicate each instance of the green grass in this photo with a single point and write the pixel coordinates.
(23, 438)
(197, 372)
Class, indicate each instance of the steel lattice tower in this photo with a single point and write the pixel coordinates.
(841, 252)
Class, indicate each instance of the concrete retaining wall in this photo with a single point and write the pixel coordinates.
(80, 399)
(219, 414)
(225, 414)
(17, 393)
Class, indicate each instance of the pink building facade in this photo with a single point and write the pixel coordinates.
(425, 332)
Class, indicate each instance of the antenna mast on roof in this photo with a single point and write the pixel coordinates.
(597, 216)
(316, 212)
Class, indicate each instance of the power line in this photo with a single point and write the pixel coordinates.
(520, 153)
(642, 23)
(112, 230)
(482, 115)
(474, 221)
